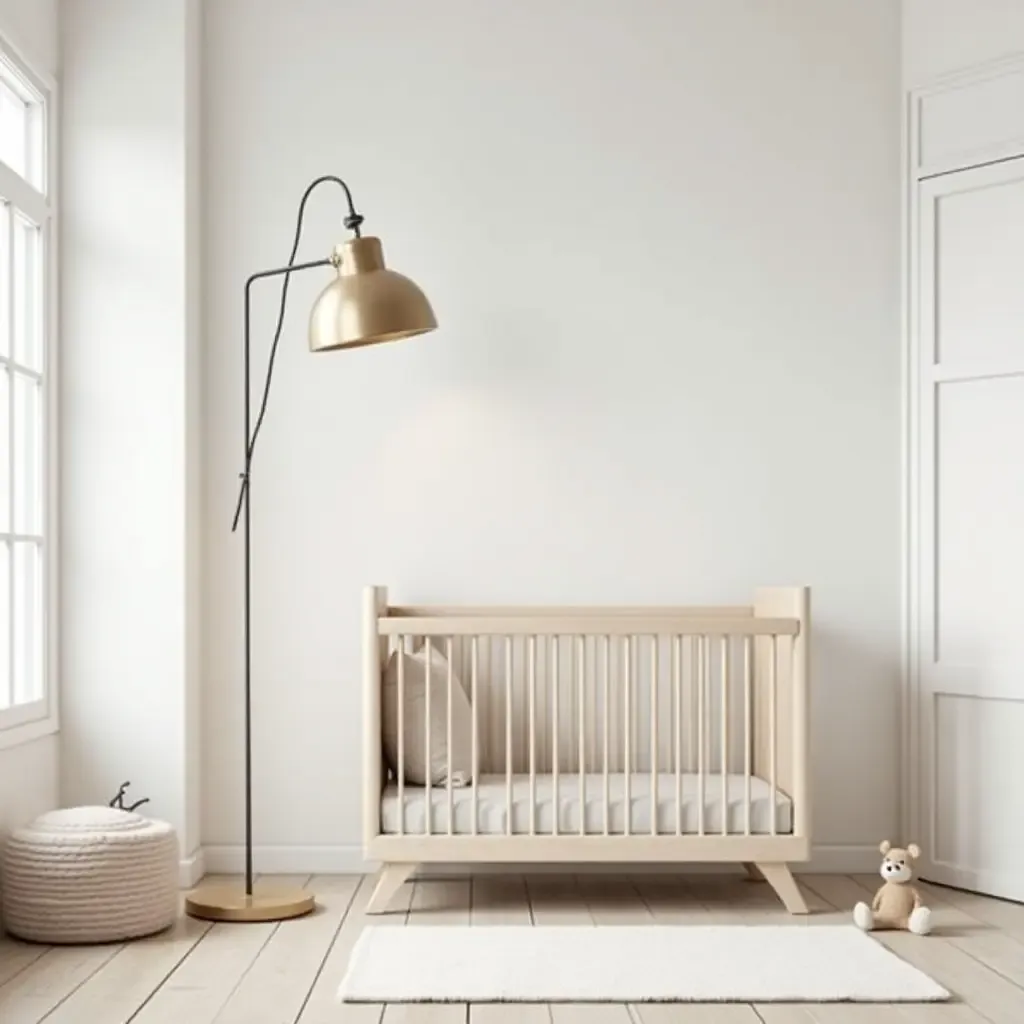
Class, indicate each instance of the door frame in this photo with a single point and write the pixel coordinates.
(911, 811)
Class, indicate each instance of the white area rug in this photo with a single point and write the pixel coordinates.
(630, 964)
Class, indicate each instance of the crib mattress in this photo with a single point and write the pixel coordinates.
(492, 806)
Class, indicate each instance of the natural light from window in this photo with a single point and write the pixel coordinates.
(25, 407)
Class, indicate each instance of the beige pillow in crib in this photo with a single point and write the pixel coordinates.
(415, 679)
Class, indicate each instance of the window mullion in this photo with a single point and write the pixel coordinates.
(25, 371)
(48, 469)
(20, 194)
(8, 242)
(27, 176)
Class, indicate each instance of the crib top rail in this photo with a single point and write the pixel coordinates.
(606, 623)
(429, 611)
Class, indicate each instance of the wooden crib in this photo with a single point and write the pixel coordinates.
(612, 735)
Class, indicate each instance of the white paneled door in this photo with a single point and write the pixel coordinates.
(967, 528)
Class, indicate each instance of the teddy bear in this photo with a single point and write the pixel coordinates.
(897, 904)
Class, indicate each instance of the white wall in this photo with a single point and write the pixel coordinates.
(662, 241)
(31, 25)
(131, 400)
(943, 36)
(29, 772)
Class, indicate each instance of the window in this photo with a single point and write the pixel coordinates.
(27, 420)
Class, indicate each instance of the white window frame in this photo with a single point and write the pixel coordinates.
(24, 722)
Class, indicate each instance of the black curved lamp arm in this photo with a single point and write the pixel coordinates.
(352, 221)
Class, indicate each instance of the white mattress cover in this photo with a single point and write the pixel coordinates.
(492, 806)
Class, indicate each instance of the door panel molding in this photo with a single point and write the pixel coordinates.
(927, 676)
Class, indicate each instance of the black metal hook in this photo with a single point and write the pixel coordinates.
(118, 800)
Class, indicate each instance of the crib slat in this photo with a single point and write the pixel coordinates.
(451, 671)
(702, 678)
(544, 703)
(725, 735)
(677, 730)
(572, 704)
(522, 734)
(428, 817)
(508, 735)
(473, 664)
(627, 700)
(581, 711)
(772, 730)
(693, 718)
(461, 660)
(532, 682)
(654, 735)
(590, 652)
(635, 733)
(489, 744)
(606, 715)
(401, 735)
(747, 730)
(554, 735)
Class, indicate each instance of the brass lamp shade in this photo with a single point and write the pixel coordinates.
(367, 303)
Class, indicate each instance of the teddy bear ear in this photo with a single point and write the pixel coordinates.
(885, 847)
(914, 850)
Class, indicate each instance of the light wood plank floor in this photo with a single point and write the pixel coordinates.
(288, 973)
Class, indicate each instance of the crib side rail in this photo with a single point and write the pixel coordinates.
(676, 698)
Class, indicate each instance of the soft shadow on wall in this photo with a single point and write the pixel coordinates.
(666, 272)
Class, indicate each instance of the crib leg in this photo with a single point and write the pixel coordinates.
(780, 878)
(753, 872)
(390, 879)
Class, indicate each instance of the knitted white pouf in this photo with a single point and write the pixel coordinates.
(90, 874)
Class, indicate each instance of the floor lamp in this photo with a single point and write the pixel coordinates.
(365, 304)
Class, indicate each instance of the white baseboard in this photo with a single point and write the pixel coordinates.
(192, 868)
(348, 860)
